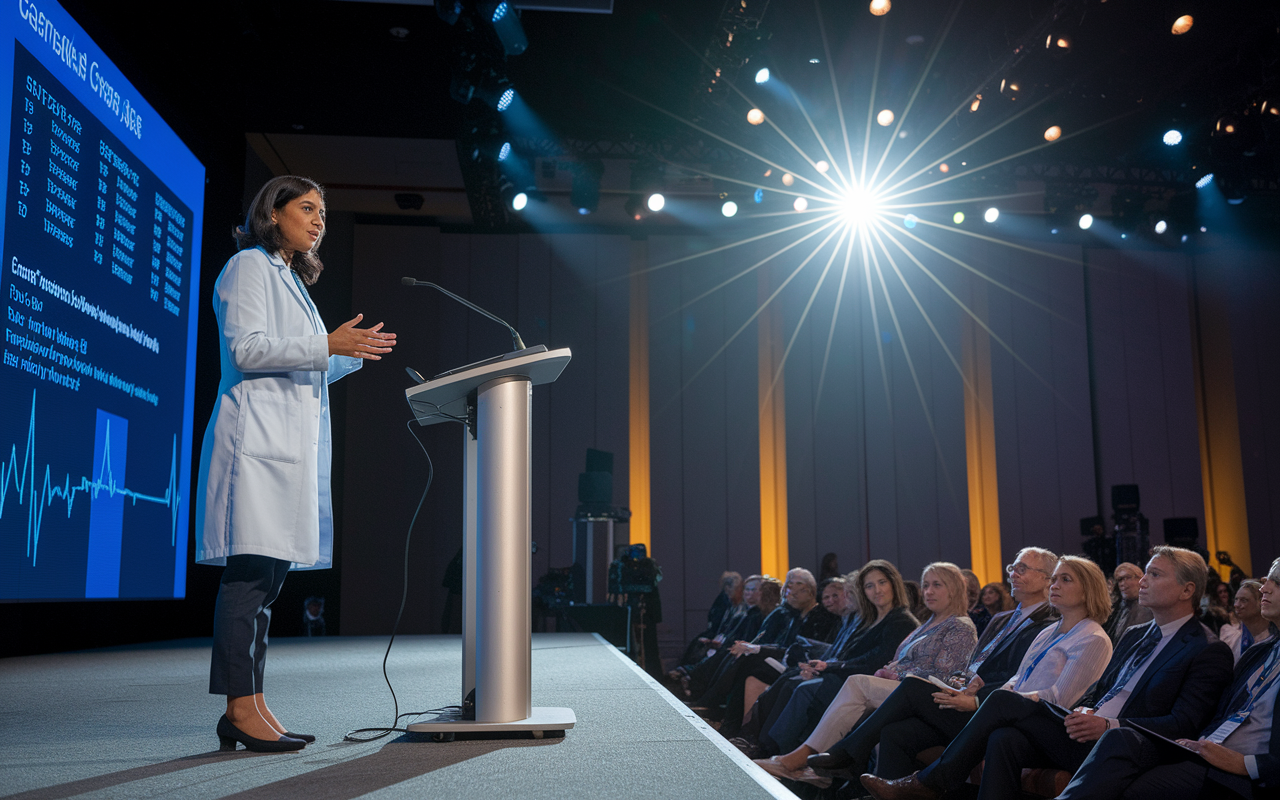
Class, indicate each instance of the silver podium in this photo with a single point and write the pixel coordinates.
(494, 401)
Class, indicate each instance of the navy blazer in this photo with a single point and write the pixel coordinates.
(1269, 762)
(1000, 666)
(874, 647)
(1179, 691)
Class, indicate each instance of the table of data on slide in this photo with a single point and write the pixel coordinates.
(97, 257)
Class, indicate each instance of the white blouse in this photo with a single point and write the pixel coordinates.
(1060, 669)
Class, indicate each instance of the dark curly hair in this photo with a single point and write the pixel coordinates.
(258, 229)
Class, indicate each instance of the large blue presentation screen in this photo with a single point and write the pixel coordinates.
(100, 281)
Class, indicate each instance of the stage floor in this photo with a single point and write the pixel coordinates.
(137, 721)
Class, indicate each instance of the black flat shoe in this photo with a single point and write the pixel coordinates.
(229, 734)
(831, 761)
(306, 737)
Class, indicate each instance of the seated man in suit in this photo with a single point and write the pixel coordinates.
(912, 720)
(1237, 750)
(1166, 675)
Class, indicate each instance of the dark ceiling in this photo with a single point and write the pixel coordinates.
(333, 67)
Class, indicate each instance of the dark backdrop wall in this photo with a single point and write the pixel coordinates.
(876, 461)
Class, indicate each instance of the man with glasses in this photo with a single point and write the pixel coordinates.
(1127, 613)
(911, 720)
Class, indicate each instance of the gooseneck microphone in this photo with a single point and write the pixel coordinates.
(515, 335)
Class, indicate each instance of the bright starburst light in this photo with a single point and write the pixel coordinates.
(879, 226)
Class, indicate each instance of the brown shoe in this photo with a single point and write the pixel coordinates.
(908, 788)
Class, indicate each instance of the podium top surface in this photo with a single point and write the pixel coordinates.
(444, 398)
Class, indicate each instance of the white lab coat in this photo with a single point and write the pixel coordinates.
(265, 462)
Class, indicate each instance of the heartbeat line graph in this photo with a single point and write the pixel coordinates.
(23, 480)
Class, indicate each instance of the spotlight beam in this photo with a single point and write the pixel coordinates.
(924, 314)
(831, 159)
(835, 91)
(795, 334)
(750, 320)
(915, 378)
(985, 199)
(713, 250)
(871, 100)
(715, 136)
(928, 67)
(746, 271)
(831, 333)
(752, 184)
(875, 326)
(982, 324)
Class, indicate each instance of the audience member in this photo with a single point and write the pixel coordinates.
(1127, 612)
(942, 645)
(1235, 755)
(1252, 627)
(914, 717)
(726, 603)
(1166, 675)
(916, 601)
(977, 612)
(885, 623)
(762, 595)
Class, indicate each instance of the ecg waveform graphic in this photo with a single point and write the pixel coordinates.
(21, 475)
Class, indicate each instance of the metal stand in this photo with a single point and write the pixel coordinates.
(496, 398)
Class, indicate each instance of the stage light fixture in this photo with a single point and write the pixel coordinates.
(1053, 133)
(506, 25)
(1183, 24)
(1184, 238)
(1010, 88)
(800, 204)
(992, 214)
(1205, 181)
(910, 220)
(504, 151)
(655, 202)
(815, 61)
(788, 179)
(822, 167)
(1226, 125)
(957, 217)
(1172, 137)
(1086, 222)
(858, 206)
(755, 116)
(977, 101)
(880, 7)
(729, 209)
(505, 99)
(1161, 226)
(519, 201)
(758, 197)
(885, 118)
(943, 168)
(762, 76)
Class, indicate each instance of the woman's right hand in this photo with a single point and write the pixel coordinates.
(348, 340)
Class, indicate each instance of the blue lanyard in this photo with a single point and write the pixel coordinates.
(1263, 682)
(1027, 675)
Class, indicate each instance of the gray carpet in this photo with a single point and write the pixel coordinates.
(137, 722)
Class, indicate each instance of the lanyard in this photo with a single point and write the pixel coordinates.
(1260, 686)
(906, 648)
(1027, 675)
(1005, 633)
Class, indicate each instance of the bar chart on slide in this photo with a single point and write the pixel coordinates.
(100, 239)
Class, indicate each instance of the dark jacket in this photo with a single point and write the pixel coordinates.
(874, 647)
(1180, 689)
(1268, 783)
(1001, 664)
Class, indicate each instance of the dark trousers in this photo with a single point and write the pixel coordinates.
(906, 723)
(250, 584)
(1126, 764)
(752, 666)
(793, 723)
(1010, 732)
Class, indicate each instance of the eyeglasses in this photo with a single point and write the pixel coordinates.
(1023, 569)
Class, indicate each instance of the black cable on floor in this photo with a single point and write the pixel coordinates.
(404, 596)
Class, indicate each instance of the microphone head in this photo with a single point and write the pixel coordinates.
(408, 281)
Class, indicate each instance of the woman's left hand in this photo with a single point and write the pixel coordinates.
(348, 340)
(956, 701)
(1224, 758)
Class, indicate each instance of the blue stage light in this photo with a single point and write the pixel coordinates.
(1172, 137)
(504, 151)
(504, 101)
(758, 196)
(1086, 221)
(729, 208)
(519, 201)
(910, 220)
(500, 11)
(763, 75)
(1205, 181)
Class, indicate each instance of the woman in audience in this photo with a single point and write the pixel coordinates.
(995, 598)
(942, 645)
(760, 597)
(1252, 627)
(722, 608)
(885, 622)
(915, 604)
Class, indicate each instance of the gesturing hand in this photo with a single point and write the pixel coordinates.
(348, 340)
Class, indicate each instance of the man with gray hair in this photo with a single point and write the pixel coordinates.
(1128, 613)
(1166, 676)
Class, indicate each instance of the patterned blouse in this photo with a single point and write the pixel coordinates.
(941, 650)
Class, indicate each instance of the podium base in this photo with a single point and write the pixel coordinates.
(542, 719)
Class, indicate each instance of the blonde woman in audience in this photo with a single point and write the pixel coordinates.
(940, 646)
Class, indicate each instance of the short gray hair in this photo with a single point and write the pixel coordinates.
(802, 575)
(1188, 567)
(1048, 559)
